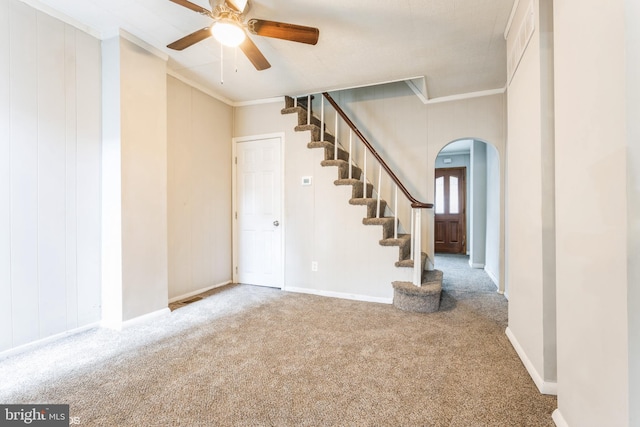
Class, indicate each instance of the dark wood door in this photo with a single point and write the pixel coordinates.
(450, 218)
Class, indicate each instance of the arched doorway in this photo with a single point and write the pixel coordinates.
(467, 212)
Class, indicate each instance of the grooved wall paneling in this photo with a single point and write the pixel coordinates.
(50, 96)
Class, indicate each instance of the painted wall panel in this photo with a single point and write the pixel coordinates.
(477, 209)
(5, 179)
(71, 205)
(51, 176)
(144, 180)
(632, 11)
(89, 178)
(39, 174)
(220, 236)
(492, 265)
(179, 209)
(591, 212)
(24, 176)
(530, 198)
(199, 190)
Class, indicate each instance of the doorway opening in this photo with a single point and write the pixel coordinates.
(467, 213)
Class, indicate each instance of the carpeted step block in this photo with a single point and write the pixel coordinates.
(329, 150)
(403, 242)
(301, 112)
(419, 299)
(385, 222)
(372, 206)
(357, 187)
(315, 132)
(343, 168)
(409, 262)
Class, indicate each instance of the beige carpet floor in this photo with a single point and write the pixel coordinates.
(252, 356)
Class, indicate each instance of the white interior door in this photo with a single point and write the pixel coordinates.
(259, 212)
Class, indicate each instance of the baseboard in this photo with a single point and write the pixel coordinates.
(545, 387)
(32, 345)
(136, 320)
(492, 276)
(559, 419)
(199, 291)
(340, 295)
(476, 265)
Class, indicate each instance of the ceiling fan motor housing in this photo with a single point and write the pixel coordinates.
(238, 7)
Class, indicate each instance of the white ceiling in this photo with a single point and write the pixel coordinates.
(462, 146)
(458, 45)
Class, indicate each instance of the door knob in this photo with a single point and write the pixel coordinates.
(276, 223)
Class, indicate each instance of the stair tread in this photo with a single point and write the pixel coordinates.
(334, 162)
(376, 221)
(290, 110)
(324, 144)
(366, 200)
(302, 128)
(409, 262)
(347, 181)
(402, 239)
(426, 288)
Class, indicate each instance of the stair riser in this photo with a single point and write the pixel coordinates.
(405, 250)
(329, 154)
(372, 208)
(358, 190)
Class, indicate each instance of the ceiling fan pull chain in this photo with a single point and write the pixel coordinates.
(235, 58)
(221, 64)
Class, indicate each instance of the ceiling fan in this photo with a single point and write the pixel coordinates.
(230, 29)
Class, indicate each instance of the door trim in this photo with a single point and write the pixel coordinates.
(234, 200)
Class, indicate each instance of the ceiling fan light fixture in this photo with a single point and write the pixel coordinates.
(228, 33)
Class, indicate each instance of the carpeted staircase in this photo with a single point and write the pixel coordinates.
(407, 296)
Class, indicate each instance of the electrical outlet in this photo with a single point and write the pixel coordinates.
(314, 265)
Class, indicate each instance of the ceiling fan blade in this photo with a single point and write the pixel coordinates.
(253, 53)
(191, 39)
(281, 30)
(194, 7)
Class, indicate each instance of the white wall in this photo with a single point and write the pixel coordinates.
(478, 206)
(632, 11)
(49, 176)
(199, 190)
(593, 239)
(135, 182)
(531, 273)
(492, 250)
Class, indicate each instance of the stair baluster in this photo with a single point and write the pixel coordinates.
(379, 191)
(395, 213)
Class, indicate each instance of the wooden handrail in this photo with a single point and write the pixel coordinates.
(415, 203)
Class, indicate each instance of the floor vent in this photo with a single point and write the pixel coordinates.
(190, 300)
